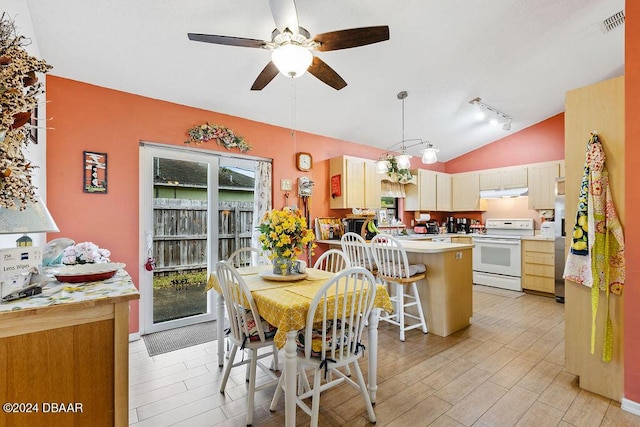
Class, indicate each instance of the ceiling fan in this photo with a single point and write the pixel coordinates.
(291, 46)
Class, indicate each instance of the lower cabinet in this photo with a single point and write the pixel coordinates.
(538, 265)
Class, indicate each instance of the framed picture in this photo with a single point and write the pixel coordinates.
(95, 172)
(382, 216)
(33, 128)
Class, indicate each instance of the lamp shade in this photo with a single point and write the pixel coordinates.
(292, 60)
(429, 155)
(382, 166)
(35, 218)
(404, 161)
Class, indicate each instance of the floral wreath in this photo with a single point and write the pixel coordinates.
(19, 95)
(223, 136)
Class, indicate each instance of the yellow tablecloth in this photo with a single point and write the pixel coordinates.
(286, 304)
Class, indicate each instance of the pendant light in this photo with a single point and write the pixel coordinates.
(403, 159)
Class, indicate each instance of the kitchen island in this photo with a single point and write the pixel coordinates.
(65, 355)
(446, 293)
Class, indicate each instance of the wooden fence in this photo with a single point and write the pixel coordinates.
(180, 232)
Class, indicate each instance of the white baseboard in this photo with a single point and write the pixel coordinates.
(630, 406)
(134, 336)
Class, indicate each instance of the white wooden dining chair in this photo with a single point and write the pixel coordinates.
(332, 339)
(394, 269)
(357, 251)
(248, 257)
(333, 260)
(249, 332)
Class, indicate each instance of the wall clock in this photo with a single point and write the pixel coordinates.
(304, 161)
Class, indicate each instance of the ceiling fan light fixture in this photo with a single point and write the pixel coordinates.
(292, 60)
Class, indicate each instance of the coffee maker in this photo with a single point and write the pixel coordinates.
(451, 225)
(463, 225)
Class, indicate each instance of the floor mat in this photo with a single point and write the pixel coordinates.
(497, 291)
(178, 338)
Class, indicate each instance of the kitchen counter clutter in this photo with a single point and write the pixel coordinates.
(68, 346)
(446, 293)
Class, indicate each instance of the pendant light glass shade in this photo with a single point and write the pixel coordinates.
(429, 155)
(382, 166)
(404, 161)
(292, 60)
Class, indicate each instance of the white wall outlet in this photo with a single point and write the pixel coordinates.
(286, 185)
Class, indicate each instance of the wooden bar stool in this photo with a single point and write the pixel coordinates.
(394, 269)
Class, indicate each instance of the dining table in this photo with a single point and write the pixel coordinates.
(284, 302)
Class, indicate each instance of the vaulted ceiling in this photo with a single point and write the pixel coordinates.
(519, 56)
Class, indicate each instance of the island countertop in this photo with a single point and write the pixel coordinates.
(446, 293)
(419, 246)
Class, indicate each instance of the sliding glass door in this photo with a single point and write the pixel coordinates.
(179, 220)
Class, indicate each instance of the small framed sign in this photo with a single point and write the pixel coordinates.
(95, 172)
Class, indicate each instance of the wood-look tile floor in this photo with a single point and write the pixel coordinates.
(506, 369)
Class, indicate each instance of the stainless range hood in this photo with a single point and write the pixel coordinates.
(504, 194)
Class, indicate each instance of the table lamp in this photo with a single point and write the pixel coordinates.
(35, 218)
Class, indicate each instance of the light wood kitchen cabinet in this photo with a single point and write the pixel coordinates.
(542, 179)
(465, 190)
(359, 183)
(538, 265)
(73, 352)
(443, 192)
(421, 197)
(372, 189)
(503, 178)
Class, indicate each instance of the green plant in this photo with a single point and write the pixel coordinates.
(194, 278)
(393, 171)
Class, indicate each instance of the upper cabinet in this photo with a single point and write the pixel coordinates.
(354, 183)
(443, 192)
(542, 181)
(372, 189)
(465, 190)
(503, 178)
(421, 197)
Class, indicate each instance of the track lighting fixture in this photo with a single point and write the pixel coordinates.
(495, 118)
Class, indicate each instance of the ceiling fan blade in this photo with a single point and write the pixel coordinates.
(326, 74)
(226, 40)
(265, 76)
(354, 37)
(284, 15)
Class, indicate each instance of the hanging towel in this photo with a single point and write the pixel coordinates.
(596, 258)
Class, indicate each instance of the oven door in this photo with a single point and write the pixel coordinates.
(497, 255)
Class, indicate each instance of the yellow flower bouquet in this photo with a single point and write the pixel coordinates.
(284, 234)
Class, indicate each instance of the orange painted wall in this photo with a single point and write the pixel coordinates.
(632, 203)
(541, 142)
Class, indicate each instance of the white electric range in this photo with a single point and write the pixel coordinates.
(497, 259)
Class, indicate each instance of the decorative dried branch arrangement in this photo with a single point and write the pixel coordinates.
(19, 93)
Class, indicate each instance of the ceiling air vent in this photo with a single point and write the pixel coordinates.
(613, 21)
